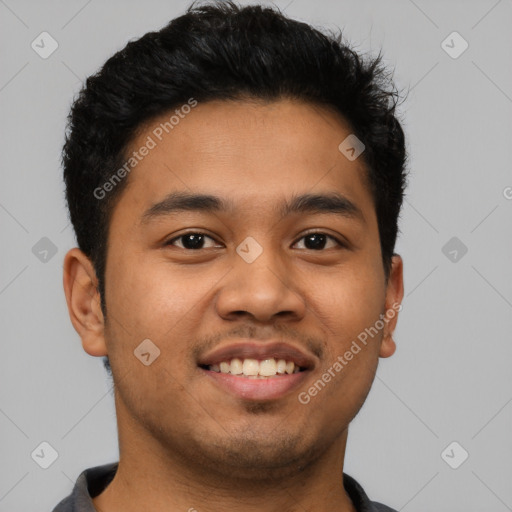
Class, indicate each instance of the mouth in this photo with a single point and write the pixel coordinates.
(255, 371)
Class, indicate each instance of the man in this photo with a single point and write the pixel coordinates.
(234, 181)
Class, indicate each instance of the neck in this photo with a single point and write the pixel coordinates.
(153, 477)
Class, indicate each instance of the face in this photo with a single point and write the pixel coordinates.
(251, 273)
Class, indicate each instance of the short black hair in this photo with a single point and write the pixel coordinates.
(222, 51)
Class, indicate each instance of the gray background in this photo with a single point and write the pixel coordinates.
(450, 379)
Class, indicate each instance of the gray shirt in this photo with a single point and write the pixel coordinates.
(93, 481)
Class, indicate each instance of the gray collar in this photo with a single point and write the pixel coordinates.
(93, 481)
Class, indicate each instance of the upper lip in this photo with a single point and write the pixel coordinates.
(260, 351)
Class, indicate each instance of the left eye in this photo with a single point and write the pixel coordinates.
(317, 241)
(196, 240)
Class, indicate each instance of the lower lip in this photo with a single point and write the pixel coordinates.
(270, 388)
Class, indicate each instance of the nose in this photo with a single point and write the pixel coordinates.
(263, 289)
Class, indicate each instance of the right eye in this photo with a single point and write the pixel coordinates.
(193, 240)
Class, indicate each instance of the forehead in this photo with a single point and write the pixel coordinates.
(244, 151)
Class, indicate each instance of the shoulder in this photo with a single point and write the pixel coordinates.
(89, 484)
(66, 505)
(379, 507)
(360, 499)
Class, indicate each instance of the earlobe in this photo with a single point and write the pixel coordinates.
(387, 346)
(83, 301)
(394, 296)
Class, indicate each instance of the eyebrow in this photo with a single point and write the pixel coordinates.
(330, 203)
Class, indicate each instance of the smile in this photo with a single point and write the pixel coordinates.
(252, 368)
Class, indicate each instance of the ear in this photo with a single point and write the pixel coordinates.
(83, 300)
(394, 296)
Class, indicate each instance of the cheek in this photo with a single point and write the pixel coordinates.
(355, 308)
(347, 302)
(141, 290)
(350, 387)
(150, 298)
(352, 347)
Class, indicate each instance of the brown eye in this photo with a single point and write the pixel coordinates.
(318, 241)
(191, 241)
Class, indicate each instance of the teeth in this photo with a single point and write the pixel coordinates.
(250, 367)
(268, 367)
(253, 368)
(281, 366)
(236, 366)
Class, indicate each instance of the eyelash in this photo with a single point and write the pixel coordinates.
(338, 242)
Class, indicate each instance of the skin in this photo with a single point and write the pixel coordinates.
(183, 440)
